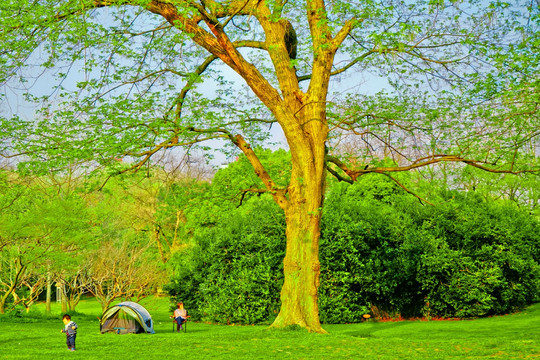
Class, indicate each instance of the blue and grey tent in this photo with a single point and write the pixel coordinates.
(125, 318)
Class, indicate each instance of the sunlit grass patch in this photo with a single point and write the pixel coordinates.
(514, 336)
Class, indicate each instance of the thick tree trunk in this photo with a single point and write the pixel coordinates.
(49, 292)
(299, 298)
(3, 299)
(64, 301)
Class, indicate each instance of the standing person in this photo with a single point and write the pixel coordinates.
(180, 315)
(70, 329)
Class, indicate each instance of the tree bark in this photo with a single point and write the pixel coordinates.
(299, 298)
(64, 301)
(49, 292)
(303, 211)
(20, 269)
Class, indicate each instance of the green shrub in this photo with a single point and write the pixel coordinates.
(233, 273)
(467, 257)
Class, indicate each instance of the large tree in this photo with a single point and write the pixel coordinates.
(136, 78)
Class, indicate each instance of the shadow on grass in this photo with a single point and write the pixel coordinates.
(290, 329)
(364, 330)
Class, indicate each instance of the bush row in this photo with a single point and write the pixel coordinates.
(382, 252)
(466, 257)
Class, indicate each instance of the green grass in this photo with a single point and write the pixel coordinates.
(514, 336)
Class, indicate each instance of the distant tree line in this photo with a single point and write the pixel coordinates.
(60, 236)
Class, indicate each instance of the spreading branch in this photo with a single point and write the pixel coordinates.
(426, 161)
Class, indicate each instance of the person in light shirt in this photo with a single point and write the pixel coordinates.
(180, 315)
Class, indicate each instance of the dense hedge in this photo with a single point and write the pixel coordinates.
(465, 257)
(233, 271)
(381, 252)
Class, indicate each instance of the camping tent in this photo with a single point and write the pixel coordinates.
(127, 317)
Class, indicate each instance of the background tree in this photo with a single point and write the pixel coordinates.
(25, 238)
(43, 229)
(133, 54)
(74, 284)
(146, 199)
(65, 195)
(32, 286)
(122, 271)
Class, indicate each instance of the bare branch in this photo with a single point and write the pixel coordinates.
(244, 192)
(407, 190)
(338, 176)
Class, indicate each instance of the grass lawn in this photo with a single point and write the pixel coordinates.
(514, 336)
